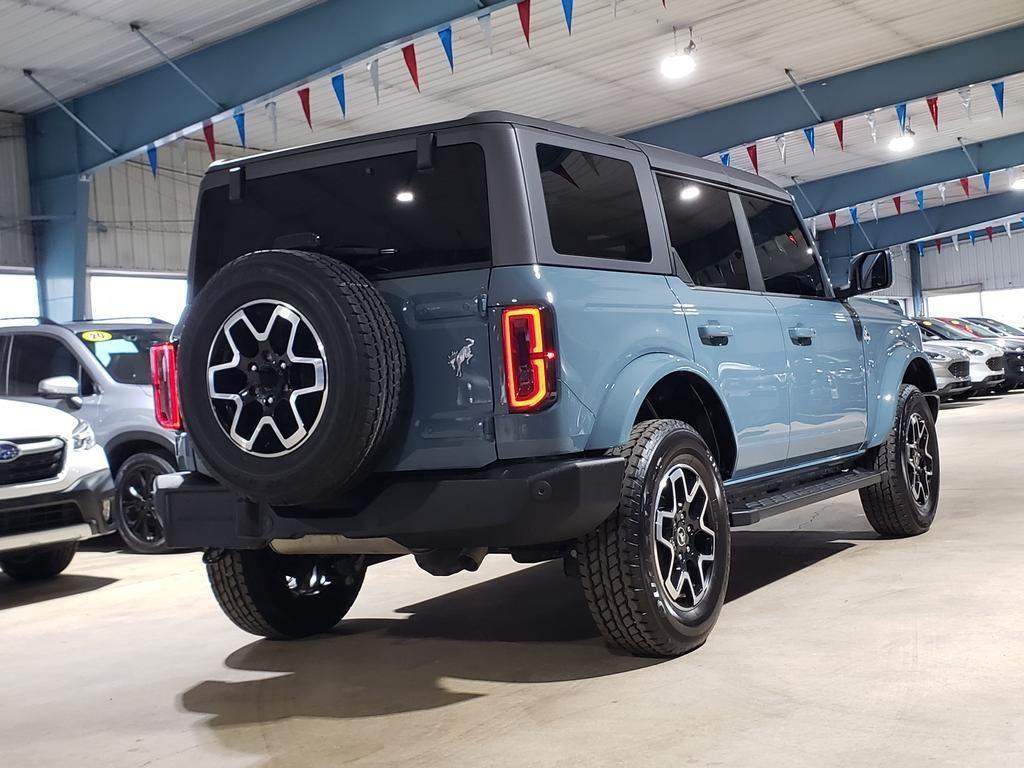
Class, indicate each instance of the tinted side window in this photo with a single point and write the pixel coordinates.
(34, 358)
(702, 230)
(786, 259)
(593, 204)
(379, 214)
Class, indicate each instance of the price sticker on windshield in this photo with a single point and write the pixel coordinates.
(95, 336)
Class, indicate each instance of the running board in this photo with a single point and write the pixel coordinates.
(747, 511)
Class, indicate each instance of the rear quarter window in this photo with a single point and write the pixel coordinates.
(593, 204)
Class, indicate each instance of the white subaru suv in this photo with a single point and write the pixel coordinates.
(55, 489)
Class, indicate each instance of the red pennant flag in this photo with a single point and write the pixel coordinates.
(832, 219)
(304, 98)
(524, 18)
(409, 52)
(933, 107)
(988, 231)
(898, 203)
(210, 143)
(752, 154)
(839, 132)
(966, 184)
(938, 244)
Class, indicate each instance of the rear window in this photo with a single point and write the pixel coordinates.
(124, 352)
(380, 214)
(593, 204)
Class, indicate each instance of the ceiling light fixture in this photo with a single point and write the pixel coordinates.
(1016, 180)
(905, 141)
(678, 65)
(689, 192)
(405, 196)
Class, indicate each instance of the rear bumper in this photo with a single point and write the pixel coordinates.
(509, 505)
(79, 512)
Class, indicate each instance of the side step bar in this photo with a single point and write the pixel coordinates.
(747, 511)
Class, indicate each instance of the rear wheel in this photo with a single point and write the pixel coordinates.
(42, 563)
(134, 512)
(655, 572)
(905, 501)
(283, 597)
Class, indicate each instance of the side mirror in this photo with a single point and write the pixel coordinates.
(869, 271)
(61, 388)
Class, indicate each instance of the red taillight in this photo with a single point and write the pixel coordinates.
(530, 365)
(163, 359)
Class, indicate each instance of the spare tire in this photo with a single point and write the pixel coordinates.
(291, 370)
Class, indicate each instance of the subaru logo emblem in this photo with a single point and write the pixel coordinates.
(8, 452)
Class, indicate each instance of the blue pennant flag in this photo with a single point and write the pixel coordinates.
(919, 194)
(920, 248)
(853, 215)
(151, 154)
(338, 81)
(239, 116)
(987, 178)
(567, 8)
(972, 236)
(901, 115)
(445, 34)
(998, 88)
(724, 157)
(809, 133)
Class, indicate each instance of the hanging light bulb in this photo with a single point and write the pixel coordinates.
(1016, 180)
(904, 142)
(678, 65)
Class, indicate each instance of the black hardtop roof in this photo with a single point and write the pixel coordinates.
(660, 158)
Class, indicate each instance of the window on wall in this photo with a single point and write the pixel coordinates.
(786, 258)
(959, 304)
(702, 230)
(19, 295)
(593, 204)
(136, 296)
(1005, 305)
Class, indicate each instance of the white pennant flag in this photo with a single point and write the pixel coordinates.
(374, 67)
(956, 242)
(272, 116)
(485, 28)
(873, 126)
(965, 99)
(942, 191)
(780, 142)
(1006, 226)
(615, 9)
(874, 209)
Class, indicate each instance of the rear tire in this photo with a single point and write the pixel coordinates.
(284, 597)
(905, 501)
(36, 564)
(655, 572)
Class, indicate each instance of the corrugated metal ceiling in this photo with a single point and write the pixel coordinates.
(75, 46)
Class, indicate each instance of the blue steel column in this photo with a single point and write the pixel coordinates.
(915, 280)
(60, 208)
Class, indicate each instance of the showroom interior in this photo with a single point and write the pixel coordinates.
(165, 179)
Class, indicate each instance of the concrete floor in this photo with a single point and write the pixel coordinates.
(835, 648)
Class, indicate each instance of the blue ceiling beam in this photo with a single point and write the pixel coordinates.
(878, 182)
(837, 246)
(988, 57)
(144, 108)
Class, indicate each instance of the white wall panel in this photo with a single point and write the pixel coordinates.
(15, 206)
(993, 266)
(141, 223)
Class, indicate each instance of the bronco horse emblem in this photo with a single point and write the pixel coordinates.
(461, 358)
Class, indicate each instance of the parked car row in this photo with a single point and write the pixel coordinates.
(973, 356)
(85, 465)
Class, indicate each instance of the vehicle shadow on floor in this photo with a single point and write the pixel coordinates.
(14, 594)
(530, 626)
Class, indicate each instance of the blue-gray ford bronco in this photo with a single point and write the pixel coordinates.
(502, 335)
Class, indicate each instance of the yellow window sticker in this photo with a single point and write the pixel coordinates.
(96, 336)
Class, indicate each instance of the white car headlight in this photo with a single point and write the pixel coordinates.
(937, 356)
(83, 438)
